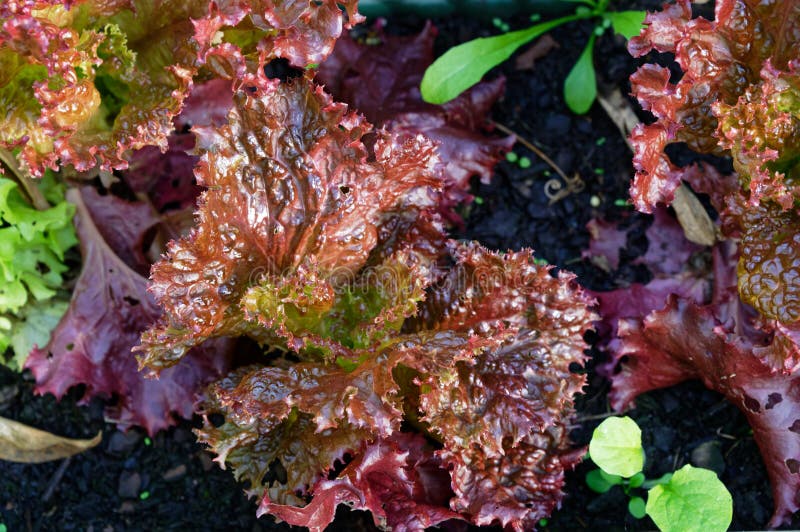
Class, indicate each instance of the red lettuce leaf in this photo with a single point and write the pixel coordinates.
(237, 39)
(605, 243)
(721, 341)
(397, 479)
(86, 82)
(382, 81)
(738, 92)
(687, 341)
(109, 309)
(95, 80)
(517, 488)
(501, 418)
(523, 386)
(289, 185)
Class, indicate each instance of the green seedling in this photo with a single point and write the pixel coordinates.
(690, 499)
(622, 203)
(463, 66)
(522, 162)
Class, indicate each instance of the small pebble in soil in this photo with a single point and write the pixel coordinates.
(129, 485)
(174, 473)
(709, 456)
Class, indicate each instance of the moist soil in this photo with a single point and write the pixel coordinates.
(169, 482)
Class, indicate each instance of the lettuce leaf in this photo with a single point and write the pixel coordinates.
(86, 82)
(32, 265)
(109, 308)
(382, 81)
(307, 168)
(327, 252)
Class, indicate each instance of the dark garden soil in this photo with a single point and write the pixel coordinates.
(130, 482)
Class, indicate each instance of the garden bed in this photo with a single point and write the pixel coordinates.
(167, 482)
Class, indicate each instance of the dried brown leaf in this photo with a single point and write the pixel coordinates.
(28, 445)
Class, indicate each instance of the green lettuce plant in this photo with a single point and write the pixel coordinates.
(464, 65)
(689, 499)
(32, 247)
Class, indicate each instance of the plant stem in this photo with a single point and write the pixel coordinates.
(35, 195)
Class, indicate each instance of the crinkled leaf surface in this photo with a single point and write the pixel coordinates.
(290, 189)
(396, 478)
(237, 39)
(109, 308)
(85, 82)
(95, 80)
(503, 414)
(382, 81)
(741, 67)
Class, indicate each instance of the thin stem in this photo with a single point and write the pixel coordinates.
(35, 195)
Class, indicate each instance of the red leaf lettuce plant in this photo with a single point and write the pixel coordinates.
(739, 96)
(380, 337)
(84, 82)
(416, 377)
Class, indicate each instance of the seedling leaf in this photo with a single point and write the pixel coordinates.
(463, 66)
(694, 499)
(596, 482)
(616, 446)
(580, 87)
(636, 480)
(627, 23)
(636, 507)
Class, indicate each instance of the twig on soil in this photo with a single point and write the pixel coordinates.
(53, 484)
(553, 189)
(732, 447)
(724, 435)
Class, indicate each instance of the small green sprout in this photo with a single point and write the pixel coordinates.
(522, 162)
(690, 499)
(143, 496)
(600, 141)
(599, 171)
(478, 200)
(147, 441)
(622, 203)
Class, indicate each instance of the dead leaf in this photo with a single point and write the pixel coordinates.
(25, 444)
(543, 46)
(697, 225)
(620, 111)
